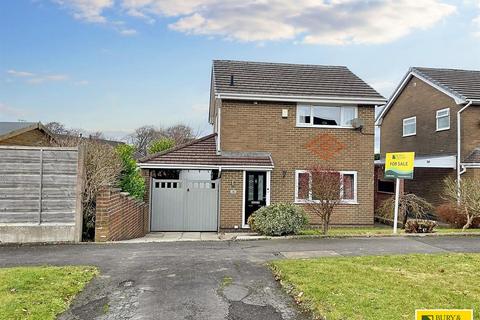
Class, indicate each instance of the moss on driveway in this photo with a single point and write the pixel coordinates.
(382, 287)
(40, 292)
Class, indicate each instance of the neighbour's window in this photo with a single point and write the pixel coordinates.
(443, 119)
(410, 126)
(386, 186)
(348, 186)
(316, 116)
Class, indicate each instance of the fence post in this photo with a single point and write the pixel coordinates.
(40, 188)
(79, 193)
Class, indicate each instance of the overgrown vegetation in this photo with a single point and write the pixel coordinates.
(409, 206)
(278, 219)
(382, 287)
(160, 145)
(449, 213)
(40, 292)
(466, 199)
(102, 168)
(420, 226)
(131, 180)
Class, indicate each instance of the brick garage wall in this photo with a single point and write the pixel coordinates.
(260, 127)
(428, 183)
(119, 216)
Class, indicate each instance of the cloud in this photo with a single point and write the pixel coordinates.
(128, 32)
(476, 20)
(7, 111)
(34, 78)
(332, 22)
(87, 10)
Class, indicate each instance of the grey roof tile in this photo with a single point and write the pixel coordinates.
(474, 156)
(289, 80)
(462, 83)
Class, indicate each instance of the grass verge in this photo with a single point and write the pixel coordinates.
(385, 287)
(374, 231)
(40, 292)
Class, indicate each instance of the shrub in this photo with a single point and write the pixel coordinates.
(131, 180)
(278, 219)
(448, 213)
(420, 226)
(409, 206)
(160, 145)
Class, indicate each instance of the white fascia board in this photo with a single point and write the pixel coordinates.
(436, 162)
(403, 83)
(470, 165)
(201, 166)
(304, 99)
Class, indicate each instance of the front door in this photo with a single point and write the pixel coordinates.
(255, 192)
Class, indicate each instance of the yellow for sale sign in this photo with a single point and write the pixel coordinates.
(399, 165)
(439, 314)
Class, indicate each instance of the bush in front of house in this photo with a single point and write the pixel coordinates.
(420, 226)
(131, 180)
(448, 213)
(278, 219)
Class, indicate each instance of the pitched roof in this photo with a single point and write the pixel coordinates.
(202, 152)
(11, 129)
(464, 83)
(461, 85)
(473, 157)
(282, 79)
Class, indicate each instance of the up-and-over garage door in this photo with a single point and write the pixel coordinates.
(184, 205)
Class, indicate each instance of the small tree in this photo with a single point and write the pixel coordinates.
(468, 201)
(409, 205)
(320, 188)
(131, 180)
(161, 144)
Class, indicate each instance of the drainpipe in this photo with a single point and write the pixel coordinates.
(460, 170)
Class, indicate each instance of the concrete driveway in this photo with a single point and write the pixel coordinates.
(203, 280)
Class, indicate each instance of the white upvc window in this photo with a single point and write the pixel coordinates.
(409, 126)
(443, 119)
(348, 186)
(326, 116)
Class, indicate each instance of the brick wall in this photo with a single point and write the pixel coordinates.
(260, 127)
(231, 199)
(470, 129)
(119, 216)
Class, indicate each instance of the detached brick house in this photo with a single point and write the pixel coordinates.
(436, 114)
(271, 123)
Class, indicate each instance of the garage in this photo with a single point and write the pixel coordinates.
(184, 205)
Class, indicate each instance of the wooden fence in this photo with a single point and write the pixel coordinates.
(41, 194)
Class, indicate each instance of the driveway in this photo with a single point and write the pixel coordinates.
(203, 280)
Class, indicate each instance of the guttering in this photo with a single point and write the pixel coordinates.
(201, 167)
(306, 99)
(460, 170)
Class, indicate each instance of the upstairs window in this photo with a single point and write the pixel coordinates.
(410, 126)
(325, 116)
(443, 119)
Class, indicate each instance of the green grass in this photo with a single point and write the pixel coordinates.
(386, 287)
(372, 231)
(40, 292)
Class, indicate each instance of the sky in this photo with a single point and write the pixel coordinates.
(115, 65)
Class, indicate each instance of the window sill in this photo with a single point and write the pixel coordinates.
(445, 129)
(323, 126)
(340, 203)
(409, 135)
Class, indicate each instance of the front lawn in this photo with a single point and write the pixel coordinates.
(372, 231)
(385, 287)
(40, 292)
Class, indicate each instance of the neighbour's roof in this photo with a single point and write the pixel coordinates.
(11, 129)
(464, 83)
(473, 157)
(202, 152)
(461, 85)
(282, 79)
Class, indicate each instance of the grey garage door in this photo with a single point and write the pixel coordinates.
(184, 205)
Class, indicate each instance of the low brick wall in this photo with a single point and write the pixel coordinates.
(119, 216)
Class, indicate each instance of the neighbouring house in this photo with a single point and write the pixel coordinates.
(25, 134)
(271, 123)
(435, 113)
